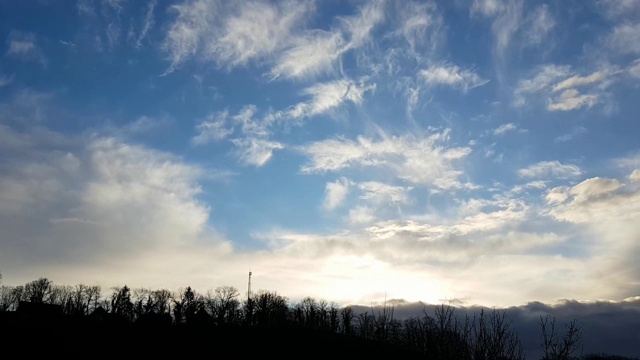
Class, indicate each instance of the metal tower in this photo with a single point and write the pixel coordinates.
(249, 289)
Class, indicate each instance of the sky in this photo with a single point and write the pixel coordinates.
(477, 152)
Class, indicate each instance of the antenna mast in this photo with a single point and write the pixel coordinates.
(249, 289)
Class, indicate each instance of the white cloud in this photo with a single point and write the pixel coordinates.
(592, 188)
(635, 175)
(148, 22)
(361, 215)
(21, 48)
(235, 33)
(624, 39)
(256, 151)
(575, 81)
(231, 34)
(98, 200)
(621, 8)
(507, 19)
(487, 7)
(536, 184)
(544, 78)
(381, 193)
(327, 96)
(553, 169)
(359, 27)
(558, 84)
(571, 99)
(452, 75)
(317, 51)
(634, 69)
(256, 30)
(504, 128)
(24, 46)
(109, 211)
(595, 201)
(310, 56)
(249, 125)
(577, 131)
(424, 161)
(540, 23)
(5, 80)
(457, 241)
(416, 19)
(253, 146)
(212, 129)
(557, 195)
(191, 26)
(630, 162)
(335, 193)
(27, 106)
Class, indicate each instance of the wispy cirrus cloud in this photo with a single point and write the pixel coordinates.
(24, 46)
(327, 46)
(623, 39)
(335, 193)
(234, 34)
(575, 81)
(418, 160)
(381, 193)
(327, 96)
(504, 128)
(550, 169)
(452, 75)
(559, 86)
(571, 100)
(231, 34)
(617, 9)
(577, 131)
(313, 54)
(544, 78)
(539, 24)
(5, 80)
(417, 19)
(507, 17)
(252, 141)
(148, 24)
(212, 128)
(255, 151)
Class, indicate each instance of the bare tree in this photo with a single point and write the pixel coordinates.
(365, 326)
(7, 301)
(186, 303)
(384, 324)
(493, 338)
(38, 291)
(121, 302)
(63, 295)
(161, 301)
(269, 308)
(92, 298)
(556, 348)
(223, 304)
(334, 320)
(346, 317)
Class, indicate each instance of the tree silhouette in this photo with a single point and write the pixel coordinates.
(38, 291)
(121, 303)
(223, 304)
(556, 348)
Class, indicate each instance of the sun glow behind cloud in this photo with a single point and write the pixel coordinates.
(481, 150)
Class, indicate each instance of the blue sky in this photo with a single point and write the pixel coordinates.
(483, 151)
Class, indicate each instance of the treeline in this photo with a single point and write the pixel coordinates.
(486, 335)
